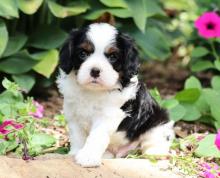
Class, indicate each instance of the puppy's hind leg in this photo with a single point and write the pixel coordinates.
(157, 141)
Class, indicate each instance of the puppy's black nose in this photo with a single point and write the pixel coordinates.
(95, 72)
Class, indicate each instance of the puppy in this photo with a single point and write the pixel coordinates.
(108, 110)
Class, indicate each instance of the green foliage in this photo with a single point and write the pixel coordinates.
(31, 32)
(21, 134)
(207, 143)
(194, 103)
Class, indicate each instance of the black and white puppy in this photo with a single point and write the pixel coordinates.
(108, 111)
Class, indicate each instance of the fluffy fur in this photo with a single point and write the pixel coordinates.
(108, 111)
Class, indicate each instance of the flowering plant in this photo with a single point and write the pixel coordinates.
(19, 119)
(206, 54)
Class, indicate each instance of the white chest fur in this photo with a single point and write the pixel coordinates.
(85, 106)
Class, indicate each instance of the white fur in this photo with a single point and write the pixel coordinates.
(102, 36)
(157, 141)
(92, 116)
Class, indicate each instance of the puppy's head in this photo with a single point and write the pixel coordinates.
(101, 57)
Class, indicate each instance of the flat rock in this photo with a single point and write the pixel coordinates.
(64, 167)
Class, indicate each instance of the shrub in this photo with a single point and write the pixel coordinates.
(32, 31)
(19, 120)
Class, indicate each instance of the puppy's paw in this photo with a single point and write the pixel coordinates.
(87, 159)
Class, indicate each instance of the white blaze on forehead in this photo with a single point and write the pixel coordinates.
(101, 35)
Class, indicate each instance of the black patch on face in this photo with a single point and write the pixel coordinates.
(128, 63)
(144, 114)
(71, 55)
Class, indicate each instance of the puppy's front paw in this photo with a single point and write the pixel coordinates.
(87, 159)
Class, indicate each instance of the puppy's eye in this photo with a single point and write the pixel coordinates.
(113, 57)
(83, 54)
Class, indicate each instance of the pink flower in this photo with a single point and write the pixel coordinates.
(39, 110)
(208, 174)
(217, 140)
(206, 166)
(209, 170)
(208, 25)
(12, 123)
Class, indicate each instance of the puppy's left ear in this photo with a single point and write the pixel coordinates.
(66, 53)
(129, 56)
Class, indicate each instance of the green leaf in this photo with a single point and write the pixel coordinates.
(201, 65)
(152, 8)
(115, 3)
(30, 6)
(213, 99)
(3, 37)
(192, 82)
(217, 40)
(15, 43)
(9, 9)
(138, 11)
(177, 112)
(47, 37)
(9, 85)
(217, 64)
(17, 64)
(169, 103)
(188, 95)
(122, 13)
(62, 12)
(199, 52)
(3, 147)
(202, 105)
(26, 82)
(215, 82)
(48, 62)
(12, 145)
(42, 139)
(153, 43)
(207, 147)
(180, 5)
(156, 95)
(192, 113)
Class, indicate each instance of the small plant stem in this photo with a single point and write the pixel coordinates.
(213, 49)
(25, 150)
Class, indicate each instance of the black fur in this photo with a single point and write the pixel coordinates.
(128, 60)
(69, 59)
(144, 114)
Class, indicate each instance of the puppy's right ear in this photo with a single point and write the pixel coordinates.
(66, 53)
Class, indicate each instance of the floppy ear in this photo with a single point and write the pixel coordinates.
(66, 53)
(130, 58)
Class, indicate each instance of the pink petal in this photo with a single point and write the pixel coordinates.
(17, 126)
(217, 140)
(39, 110)
(206, 18)
(206, 165)
(12, 123)
(4, 132)
(208, 174)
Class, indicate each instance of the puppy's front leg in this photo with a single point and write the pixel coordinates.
(90, 155)
(77, 137)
